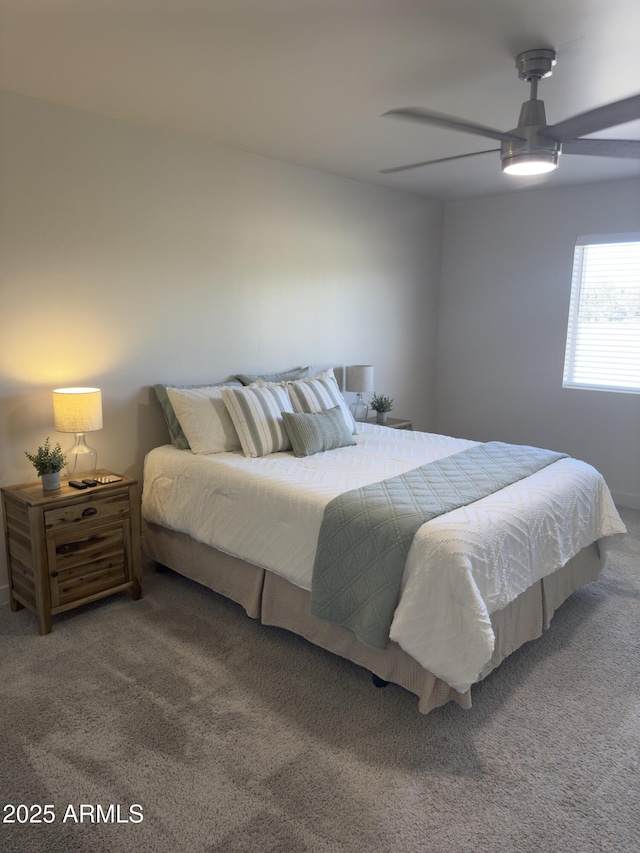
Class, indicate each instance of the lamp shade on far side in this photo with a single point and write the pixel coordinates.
(359, 379)
(78, 410)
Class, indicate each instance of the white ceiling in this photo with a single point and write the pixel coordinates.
(306, 81)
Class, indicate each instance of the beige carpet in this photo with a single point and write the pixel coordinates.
(235, 737)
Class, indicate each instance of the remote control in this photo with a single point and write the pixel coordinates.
(76, 484)
(89, 481)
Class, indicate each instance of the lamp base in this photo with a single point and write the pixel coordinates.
(81, 459)
(359, 409)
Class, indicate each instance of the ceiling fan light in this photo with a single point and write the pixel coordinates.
(530, 164)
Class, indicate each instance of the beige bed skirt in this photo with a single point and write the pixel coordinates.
(278, 602)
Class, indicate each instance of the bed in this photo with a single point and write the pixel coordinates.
(478, 581)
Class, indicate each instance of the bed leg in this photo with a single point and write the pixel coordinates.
(377, 681)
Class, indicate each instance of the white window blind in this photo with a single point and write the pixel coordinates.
(603, 334)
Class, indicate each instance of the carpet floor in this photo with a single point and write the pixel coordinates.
(176, 723)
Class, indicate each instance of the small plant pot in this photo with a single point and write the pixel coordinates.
(381, 417)
(50, 482)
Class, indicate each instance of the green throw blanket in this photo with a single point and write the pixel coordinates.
(366, 533)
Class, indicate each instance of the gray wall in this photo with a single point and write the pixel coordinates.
(129, 257)
(505, 288)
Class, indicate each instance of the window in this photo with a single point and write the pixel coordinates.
(603, 335)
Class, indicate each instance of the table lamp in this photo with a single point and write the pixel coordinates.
(359, 378)
(78, 410)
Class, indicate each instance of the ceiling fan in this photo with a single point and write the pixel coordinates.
(533, 147)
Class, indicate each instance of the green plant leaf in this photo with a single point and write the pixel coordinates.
(47, 460)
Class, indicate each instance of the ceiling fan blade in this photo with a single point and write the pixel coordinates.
(603, 147)
(441, 120)
(439, 160)
(619, 112)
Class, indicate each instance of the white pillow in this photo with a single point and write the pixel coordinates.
(256, 412)
(204, 419)
(321, 392)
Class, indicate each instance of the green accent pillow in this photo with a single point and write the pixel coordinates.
(317, 432)
(287, 376)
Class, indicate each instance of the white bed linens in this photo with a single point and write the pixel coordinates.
(461, 567)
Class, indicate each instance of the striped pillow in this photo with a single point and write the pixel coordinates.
(256, 413)
(318, 394)
(316, 433)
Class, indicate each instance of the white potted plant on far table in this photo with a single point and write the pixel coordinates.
(382, 405)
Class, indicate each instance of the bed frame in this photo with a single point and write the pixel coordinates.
(275, 601)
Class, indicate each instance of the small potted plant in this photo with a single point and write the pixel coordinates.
(382, 405)
(48, 463)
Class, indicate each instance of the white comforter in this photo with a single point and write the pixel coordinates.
(462, 566)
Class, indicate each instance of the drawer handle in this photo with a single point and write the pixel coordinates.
(54, 574)
(90, 510)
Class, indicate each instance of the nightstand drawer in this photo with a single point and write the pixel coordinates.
(85, 563)
(90, 510)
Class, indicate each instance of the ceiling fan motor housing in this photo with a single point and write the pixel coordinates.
(525, 139)
(536, 64)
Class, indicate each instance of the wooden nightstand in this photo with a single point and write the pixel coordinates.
(394, 423)
(68, 547)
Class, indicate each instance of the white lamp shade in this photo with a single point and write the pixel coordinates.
(77, 409)
(359, 378)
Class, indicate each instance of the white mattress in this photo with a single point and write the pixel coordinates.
(462, 566)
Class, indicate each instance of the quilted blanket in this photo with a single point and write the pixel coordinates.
(366, 533)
